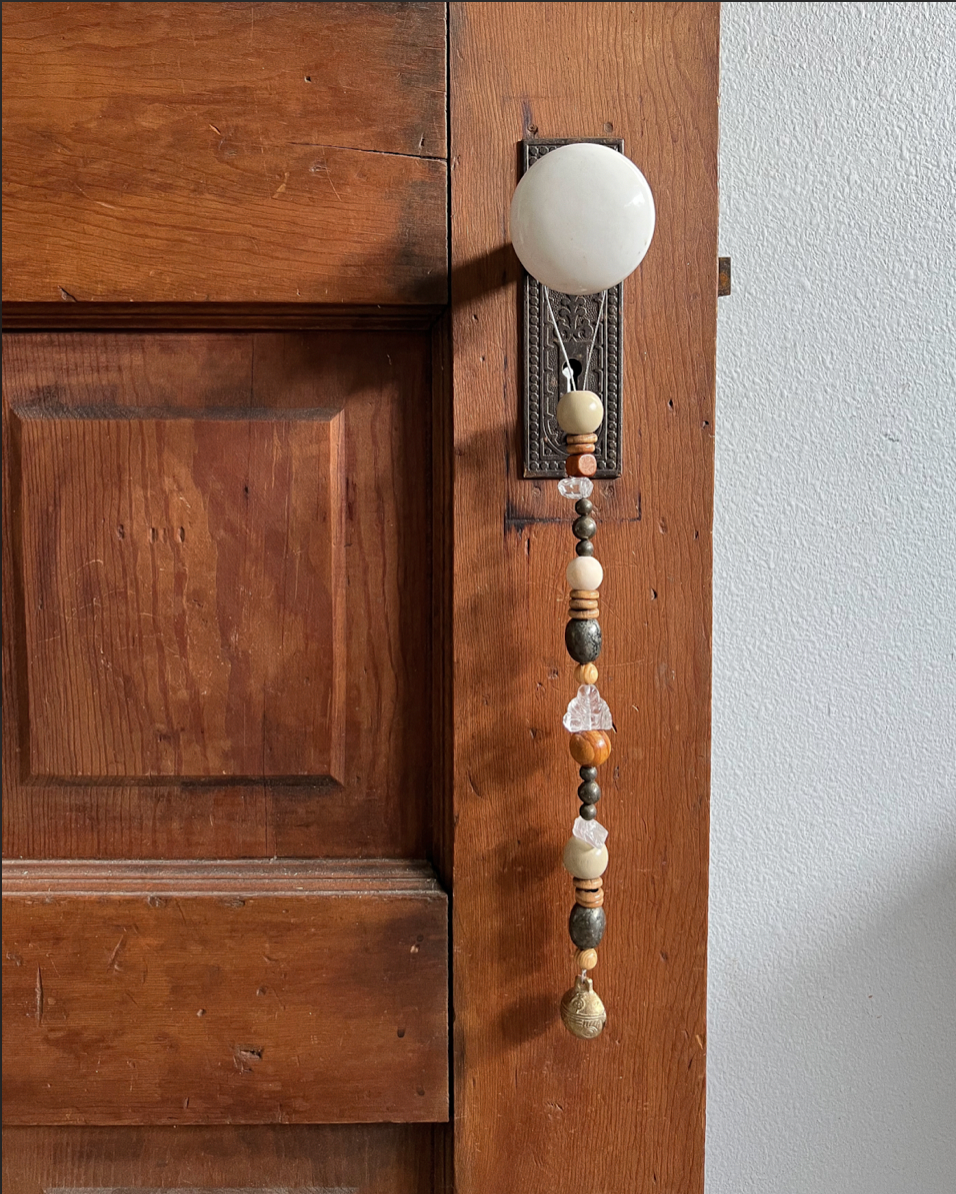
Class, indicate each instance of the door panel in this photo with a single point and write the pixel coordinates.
(224, 993)
(322, 1159)
(224, 595)
(224, 153)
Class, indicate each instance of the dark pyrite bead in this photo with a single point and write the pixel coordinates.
(586, 926)
(585, 548)
(588, 812)
(588, 774)
(583, 639)
(584, 528)
(583, 506)
(589, 792)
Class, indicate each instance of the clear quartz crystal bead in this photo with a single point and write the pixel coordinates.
(575, 487)
(587, 711)
(592, 832)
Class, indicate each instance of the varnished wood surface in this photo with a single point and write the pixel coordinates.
(224, 153)
(218, 993)
(325, 1159)
(199, 629)
(244, 395)
(536, 1109)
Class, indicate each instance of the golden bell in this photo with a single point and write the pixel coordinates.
(582, 1010)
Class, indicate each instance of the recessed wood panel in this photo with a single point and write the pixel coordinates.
(224, 153)
(266, 400)
(184, 593)
(224, 993)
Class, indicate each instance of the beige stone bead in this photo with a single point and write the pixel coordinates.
(585, 572)
(584, 861)
(585, 959)
(580, 412)
(586, 673)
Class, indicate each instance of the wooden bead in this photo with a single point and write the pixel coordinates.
(585, 594)
(589, 899)
(581, 466)
(585, 959)
(581, 449)
(583, 615)
(590, 748)
(586, 673)
(580, 412)
(583, 603)
(594, 884)
(584, 573)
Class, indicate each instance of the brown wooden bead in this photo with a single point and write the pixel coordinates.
(583, 603)
(590, 748)
(583, 615)
(589, 899)
(586, 673)
(580, 449)
(584, 594)
(581, 466)
(583, 439)
(585, 959)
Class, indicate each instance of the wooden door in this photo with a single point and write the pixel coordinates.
(283, 665)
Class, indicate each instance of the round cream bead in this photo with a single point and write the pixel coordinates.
(585, 572)
(580, 412)
(584, 861)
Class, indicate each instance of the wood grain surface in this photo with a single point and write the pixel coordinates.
(257, 401)
(224, 153)
(224, 993)
(321, 1159)
(199, 628)
(536, 1109)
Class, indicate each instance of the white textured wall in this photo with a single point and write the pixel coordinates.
(832, 1037)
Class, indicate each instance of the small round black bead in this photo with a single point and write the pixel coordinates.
(584, 528)
(586, 926)
(583, 506)
(585, 548)
(583, 639)
(588, 812)
(588, 774)
(589, 792)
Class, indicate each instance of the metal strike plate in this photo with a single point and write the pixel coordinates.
(544, 451)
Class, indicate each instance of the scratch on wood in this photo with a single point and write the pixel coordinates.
(39, 996)
(111, 964)
(244, 1056)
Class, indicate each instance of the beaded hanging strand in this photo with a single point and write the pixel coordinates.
(588, 718)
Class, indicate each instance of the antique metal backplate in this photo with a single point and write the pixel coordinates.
(544, 452)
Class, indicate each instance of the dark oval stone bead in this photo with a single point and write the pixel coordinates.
(588, 774)
(585, 548)
(583, 639)
(584, 528)
(586, 926)
(588, 812)
(589, 792)
(583, 506)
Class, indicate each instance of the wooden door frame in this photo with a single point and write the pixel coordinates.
(534, 1108)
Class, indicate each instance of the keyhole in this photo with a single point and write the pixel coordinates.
(571, 378)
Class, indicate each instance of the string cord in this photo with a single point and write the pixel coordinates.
(568, 371)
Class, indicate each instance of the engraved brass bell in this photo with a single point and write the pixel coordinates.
(583, 1011)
